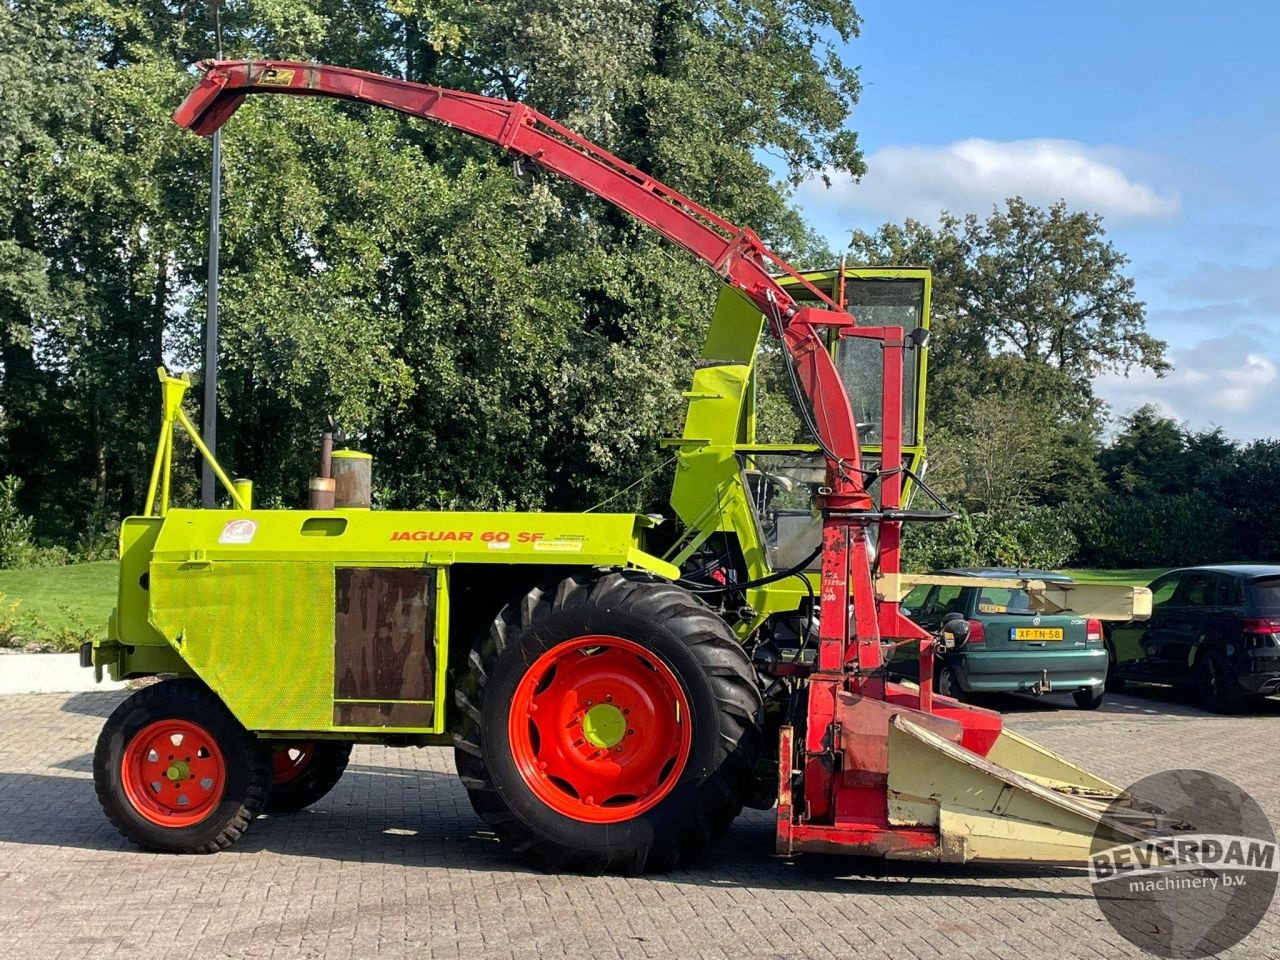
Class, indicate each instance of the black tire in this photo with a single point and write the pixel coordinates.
(947, 684)
(725, 723)
(320, 772)
(1087, 699)
(246, 762)
(1216, 681)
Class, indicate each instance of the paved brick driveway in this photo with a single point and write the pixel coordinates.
(394, 864)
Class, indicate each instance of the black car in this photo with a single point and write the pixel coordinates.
(1217, 627)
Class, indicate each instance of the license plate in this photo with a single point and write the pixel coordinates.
(1035, 633)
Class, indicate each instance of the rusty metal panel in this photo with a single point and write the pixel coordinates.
(384, 640)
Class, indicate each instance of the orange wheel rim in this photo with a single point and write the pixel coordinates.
(289, 761)
(173, 773)
(600, 729)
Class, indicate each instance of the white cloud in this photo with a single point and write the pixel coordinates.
(969, 176)
(1231, 382)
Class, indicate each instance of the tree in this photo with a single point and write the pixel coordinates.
(1042, 285)
(493, 344)
(1148, 457)
(1029, 305)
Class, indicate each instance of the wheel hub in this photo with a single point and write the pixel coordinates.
(604, 725)
(173, 773)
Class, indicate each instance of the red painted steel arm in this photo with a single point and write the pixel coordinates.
(737, 254)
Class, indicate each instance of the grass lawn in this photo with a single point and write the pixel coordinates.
(1135, 577)
(59, 601)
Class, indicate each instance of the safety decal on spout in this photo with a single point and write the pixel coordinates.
(276, 77)
(238, 531)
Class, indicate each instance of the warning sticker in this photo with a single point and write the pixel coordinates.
(238, 531)
(275, 77)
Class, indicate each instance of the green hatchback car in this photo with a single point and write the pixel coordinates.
(1010, 647)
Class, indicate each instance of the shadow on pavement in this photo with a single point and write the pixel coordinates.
(95, 703)
(413, 818)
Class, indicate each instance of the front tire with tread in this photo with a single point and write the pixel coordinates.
(246, 760)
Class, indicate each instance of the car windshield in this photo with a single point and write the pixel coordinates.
(1266, 594)
(1005, 600)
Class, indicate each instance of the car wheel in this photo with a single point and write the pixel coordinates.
(947, 684)
(1088, 698)
(1220, 689)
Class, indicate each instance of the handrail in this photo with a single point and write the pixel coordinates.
(172, 390)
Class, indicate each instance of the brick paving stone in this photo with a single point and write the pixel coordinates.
(393, 864)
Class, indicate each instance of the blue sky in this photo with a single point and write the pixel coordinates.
(1162, 117)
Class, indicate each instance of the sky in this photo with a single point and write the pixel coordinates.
(1162, 117)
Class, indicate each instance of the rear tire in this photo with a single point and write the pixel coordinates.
(947, 684)
(1219, 689)
(683, 768)
(176, 772)
(1088, 699)
(304, 772)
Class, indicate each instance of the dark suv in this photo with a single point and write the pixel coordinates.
(1216, 627)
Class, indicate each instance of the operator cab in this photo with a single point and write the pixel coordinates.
(782, 484)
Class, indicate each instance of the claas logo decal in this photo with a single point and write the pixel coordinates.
(466, 536)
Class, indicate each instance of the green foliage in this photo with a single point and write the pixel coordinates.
(1169, 530)
(59, 607)
(1034, 537)
(1040, 284)
(15, 526)
(493, 345)
(12, 623)
(17, 550)
(1147, 457)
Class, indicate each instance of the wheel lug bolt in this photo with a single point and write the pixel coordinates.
(625, 711)
(631, 733)
(608, 698)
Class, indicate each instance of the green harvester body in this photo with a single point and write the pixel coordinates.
(349, 623)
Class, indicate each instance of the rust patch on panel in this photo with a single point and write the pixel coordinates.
(384, 628)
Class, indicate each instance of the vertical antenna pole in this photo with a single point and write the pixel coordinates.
(208, 491)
